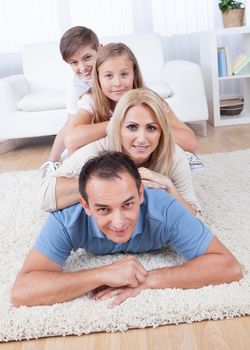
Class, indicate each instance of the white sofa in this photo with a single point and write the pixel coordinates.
(33, 104)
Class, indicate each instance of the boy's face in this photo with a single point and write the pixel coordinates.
(82, 61)
(114, 204)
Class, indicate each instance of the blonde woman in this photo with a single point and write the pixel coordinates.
(140, 128)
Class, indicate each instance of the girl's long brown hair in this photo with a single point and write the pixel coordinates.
(101, 102)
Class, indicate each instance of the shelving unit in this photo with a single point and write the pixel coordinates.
(209, 42)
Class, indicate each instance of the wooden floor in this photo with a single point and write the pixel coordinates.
(207, 335)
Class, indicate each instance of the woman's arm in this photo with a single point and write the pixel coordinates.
(156, 180)
(182, 134)
(67, 192)
(178, 182)
(60, 189)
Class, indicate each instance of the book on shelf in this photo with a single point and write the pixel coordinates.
(238, 60)
(228, 59)
(242, 66)
(222, 62)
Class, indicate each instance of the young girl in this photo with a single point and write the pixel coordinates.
(140, 128)
(115, 72)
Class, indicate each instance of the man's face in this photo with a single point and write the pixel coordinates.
(114, 204)
(82, 61)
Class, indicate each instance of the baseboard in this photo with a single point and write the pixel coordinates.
(7, 146)
(10, 145)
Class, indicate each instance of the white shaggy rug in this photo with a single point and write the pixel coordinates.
(223, 188)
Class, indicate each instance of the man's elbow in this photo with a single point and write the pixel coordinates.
(18, 297)
(238, 274)
(234, 270)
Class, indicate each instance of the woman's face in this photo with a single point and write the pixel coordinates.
(116, 76)
(140, 133)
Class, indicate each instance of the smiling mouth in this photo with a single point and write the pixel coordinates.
(120, 232)
(118, 92)
(86, 74)
(140, 148)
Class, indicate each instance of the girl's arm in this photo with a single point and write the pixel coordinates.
(182, 134)
(80, 131)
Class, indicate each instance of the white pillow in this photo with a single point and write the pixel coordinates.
(43, 101)
(162, 89)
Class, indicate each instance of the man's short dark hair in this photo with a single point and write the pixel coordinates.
(107, 165)
(77, 37)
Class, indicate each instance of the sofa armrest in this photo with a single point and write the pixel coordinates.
(184, 78)
(12, 89)
(188, 100)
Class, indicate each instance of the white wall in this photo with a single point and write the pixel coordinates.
(178, 22)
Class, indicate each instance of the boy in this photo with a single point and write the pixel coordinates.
(78, 46)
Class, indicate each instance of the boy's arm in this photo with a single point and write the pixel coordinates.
(80, 131)
(42, 282)
(182, 134)
(216, 266)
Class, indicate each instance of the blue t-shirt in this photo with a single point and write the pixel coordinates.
(162, 220)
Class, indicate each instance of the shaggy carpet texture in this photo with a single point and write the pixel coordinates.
(224, 192)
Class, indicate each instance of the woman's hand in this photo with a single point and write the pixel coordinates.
(153, 179)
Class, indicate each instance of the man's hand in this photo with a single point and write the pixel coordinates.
(127, 272)
(120, 294)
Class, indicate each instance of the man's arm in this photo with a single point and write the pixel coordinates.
(216, 266)
(42, 282)
(182, 134)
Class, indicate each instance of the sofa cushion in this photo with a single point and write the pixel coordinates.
(43, 101)
(161, 88)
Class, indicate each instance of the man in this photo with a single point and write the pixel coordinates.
(116, 214)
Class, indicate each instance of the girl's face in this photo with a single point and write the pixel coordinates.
(140, 134)
(116, 76)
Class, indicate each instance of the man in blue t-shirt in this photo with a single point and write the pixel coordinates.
(116, 214)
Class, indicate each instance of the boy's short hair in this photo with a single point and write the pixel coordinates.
(76, 37)
(108, 165)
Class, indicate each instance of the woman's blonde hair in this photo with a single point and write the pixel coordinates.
(162, 156)
(101, 102)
